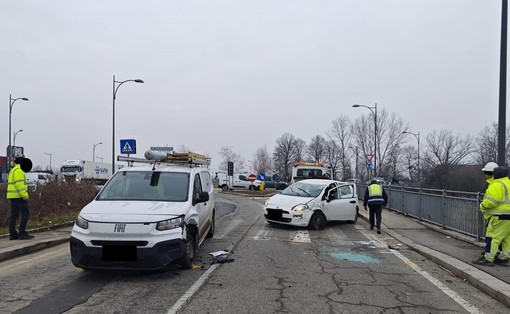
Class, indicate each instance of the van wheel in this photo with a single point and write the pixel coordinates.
(224, 187)
(210, 234)
(190, 250)
(317, 222)
(252, 187)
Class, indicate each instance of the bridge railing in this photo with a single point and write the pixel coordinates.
(453, 210)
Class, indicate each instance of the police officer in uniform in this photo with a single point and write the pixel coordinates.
(375, 198)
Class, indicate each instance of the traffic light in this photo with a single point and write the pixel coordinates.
(230, 165)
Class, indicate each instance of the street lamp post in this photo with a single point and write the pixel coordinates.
(15, 133)
(11, 103)
(417, 135)
(116, 85)
(49, 154)
(374, 112)
(94, 151)
(356, 165)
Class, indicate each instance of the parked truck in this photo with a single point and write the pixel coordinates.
(83, 170)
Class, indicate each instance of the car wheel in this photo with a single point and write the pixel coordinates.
(190, 250)
(282, 187)
(210, 234)
(224, 187)
(252, 187)
(317, 222)
(355, 216)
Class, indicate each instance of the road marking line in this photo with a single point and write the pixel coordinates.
(191, 291)
(452, 294)
(230, 227)
(380, 243)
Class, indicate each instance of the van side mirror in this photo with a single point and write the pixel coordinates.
(202, 197)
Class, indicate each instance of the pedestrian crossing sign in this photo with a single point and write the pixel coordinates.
(128, 146)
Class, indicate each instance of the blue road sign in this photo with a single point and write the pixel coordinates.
(128, 146)
(261, 177)
(369, 165)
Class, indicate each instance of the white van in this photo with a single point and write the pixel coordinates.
(34, 178)
(146, 217)
(238, 181)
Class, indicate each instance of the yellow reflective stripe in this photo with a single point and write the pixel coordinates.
(498, 212)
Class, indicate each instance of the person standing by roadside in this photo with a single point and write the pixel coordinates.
(17, 193)
(488, 172)
(375, 198)
(496, 210)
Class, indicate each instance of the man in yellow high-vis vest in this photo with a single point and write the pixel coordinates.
(375, 198)
(17, 193)
(496, 209)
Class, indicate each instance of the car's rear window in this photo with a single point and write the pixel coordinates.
(136, 186)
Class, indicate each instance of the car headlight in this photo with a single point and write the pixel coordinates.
(170, 224)
(266, 203)
(82, 222)
(299, 207)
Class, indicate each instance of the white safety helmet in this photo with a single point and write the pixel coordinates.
(490, 166)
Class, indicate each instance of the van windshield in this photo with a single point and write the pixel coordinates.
(135, 185)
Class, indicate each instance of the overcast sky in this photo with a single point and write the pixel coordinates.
(239, 73)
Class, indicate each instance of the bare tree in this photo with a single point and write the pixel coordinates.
(284, 155)
(298, 149)
(316, 149)
(444, 151)
(410, 157)
(229, 155)
(340, 135)
(445, 148)
(262, 160)
(389, 133)
(487, 145)
(332, 157)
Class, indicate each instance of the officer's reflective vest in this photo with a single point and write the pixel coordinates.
(375, 194)
(496, 201)
(17, 186)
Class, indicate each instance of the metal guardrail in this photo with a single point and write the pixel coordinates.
(453, 210)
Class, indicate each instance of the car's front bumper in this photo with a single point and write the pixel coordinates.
(293, 218)
(125, 254)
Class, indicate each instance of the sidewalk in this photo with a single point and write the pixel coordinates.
(449, 249)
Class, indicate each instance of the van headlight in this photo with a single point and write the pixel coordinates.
(82, 222)
(170, 224)
(299, 207)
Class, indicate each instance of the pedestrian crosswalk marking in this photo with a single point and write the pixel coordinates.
(264, 234)
(300, 236)
(338, 238)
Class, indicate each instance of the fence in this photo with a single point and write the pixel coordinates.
(453, 210)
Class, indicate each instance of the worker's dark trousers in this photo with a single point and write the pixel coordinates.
(18, 205)
(375, 215)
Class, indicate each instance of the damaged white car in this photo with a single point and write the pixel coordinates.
(312, 203)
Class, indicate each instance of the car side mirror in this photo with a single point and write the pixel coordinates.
(202, 197)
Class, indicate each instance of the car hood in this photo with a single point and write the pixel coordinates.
(280, 201)
(133, 211)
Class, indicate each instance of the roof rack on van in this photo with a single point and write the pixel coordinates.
(189, 158)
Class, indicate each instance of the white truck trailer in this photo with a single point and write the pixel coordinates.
(83, 170)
